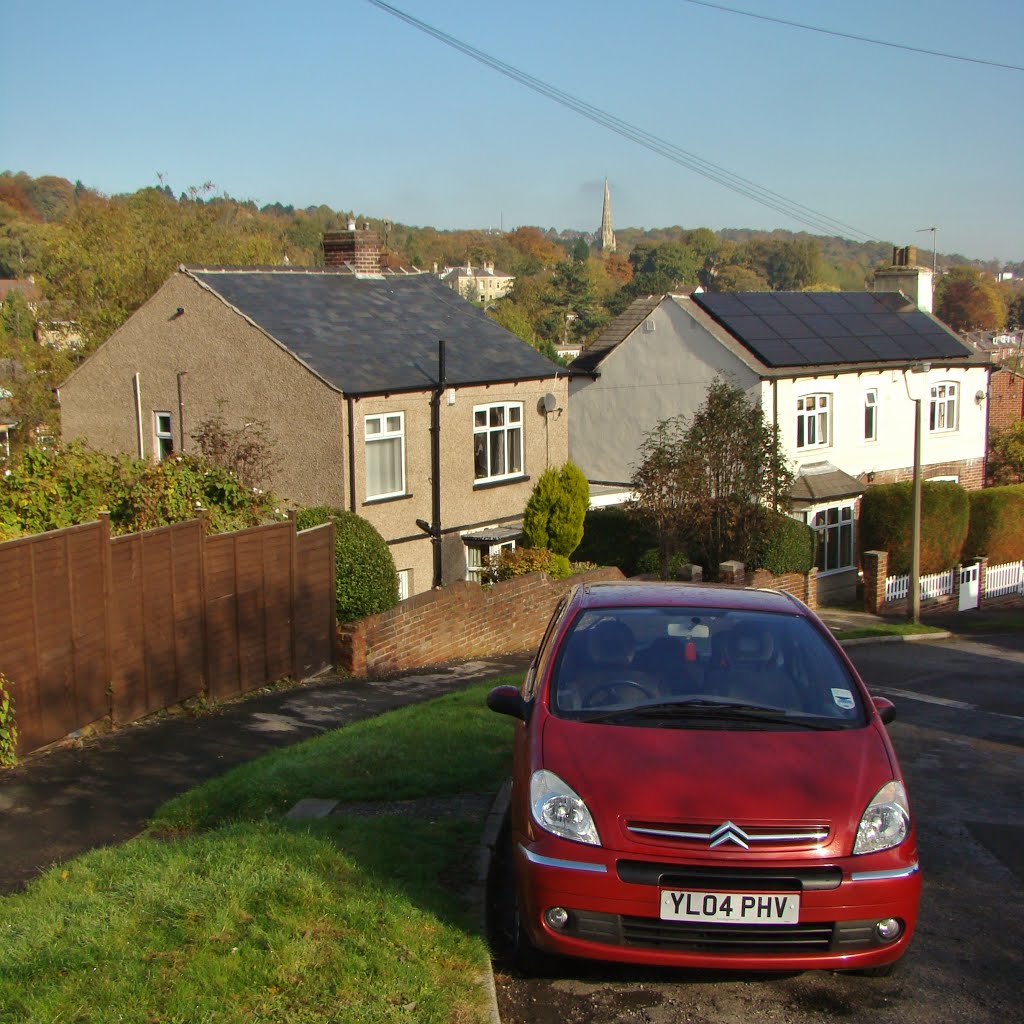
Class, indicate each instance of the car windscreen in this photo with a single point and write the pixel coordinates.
(658, 665)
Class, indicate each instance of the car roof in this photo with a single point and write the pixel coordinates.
(667, 594)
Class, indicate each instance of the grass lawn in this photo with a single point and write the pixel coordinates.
(886, 629)
(224, 912)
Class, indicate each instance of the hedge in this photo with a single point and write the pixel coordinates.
(886, 516)
(613, 536)
(365, 578)
(996, 524)
(786, 545)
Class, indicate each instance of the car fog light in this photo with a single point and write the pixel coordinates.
(889, 929)
(556, 917)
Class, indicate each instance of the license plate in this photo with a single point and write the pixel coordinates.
(731, 907)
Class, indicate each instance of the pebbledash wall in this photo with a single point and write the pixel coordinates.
(465, 620)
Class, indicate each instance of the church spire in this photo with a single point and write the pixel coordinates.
(606, 244)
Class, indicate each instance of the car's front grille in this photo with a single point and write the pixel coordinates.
(652, 933)
(738, 879)
(682, 936)
(727, 835)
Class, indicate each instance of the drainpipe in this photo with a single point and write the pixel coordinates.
(181, 413)
(351, 455)
(435, 465)
(137, 387)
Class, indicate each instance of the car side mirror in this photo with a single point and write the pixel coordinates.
(885, 708)
(507, 700)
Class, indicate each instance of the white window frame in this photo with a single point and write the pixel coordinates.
(510, 432)
(944, 407)
(824, 532)
(475, 562)
(385, 431)
(871, 414)
(163, 437)
(813, 421)
(404, 584)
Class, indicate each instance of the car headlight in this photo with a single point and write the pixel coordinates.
(886, 822)
(558, 809)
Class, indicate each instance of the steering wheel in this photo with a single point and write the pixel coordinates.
(606, 692)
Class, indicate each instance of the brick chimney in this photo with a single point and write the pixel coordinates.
(907, 276)
(360, 248)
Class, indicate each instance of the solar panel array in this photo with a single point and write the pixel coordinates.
(814, 328)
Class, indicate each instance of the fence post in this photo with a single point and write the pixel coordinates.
(293, 575)
(876, 569)
(106, 568)
(982, 563)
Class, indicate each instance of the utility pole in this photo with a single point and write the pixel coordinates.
(433, 528)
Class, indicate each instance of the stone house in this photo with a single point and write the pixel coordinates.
(341, 366)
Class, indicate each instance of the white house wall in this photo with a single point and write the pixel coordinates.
(651, 376)
(893, 450)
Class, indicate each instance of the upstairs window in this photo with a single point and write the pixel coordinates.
(943, 407)
(871, 414)
(163, 432)
(812, 421)
(497, 441)
(385, 455)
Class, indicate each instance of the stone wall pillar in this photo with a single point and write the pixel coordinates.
(691, 573)
(811, 589)
(732, 572)
(876, 569)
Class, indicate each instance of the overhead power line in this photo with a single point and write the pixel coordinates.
(815, 219)
(856, 38)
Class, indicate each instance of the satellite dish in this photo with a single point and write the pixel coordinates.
(548, 403)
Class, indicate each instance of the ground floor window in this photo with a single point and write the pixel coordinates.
(478, 554)
(833, 531)
(404, 583)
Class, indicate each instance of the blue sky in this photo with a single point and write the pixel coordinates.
(341, 103)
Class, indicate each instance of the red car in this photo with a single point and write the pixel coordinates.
(701, 779)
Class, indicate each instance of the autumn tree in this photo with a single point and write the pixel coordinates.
(1006, 455)
(969, 301)
(708, 481)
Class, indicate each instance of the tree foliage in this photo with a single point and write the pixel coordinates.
(246, 451)
(969, 301)
(705, 481)
(365, 575)
(554, 514)
(1006, 455)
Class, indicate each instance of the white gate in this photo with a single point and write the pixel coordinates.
(969, 587)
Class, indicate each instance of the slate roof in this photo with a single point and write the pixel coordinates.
(831, 328)
(615, 333)
(819, 481)
(372, 335)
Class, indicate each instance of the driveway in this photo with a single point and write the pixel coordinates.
(959, 734)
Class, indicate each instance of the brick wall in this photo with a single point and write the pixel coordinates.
(970, 473)
(462, 620)
(1006, 399)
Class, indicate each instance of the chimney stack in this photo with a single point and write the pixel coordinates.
(358, 248)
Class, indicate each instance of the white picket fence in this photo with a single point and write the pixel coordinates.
(1000, 580)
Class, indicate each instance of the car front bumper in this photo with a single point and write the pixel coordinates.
(612, 906)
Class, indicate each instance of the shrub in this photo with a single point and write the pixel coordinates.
(365, 578)
(554, 514)
(649, 563)
(8, 729)
(613, 536)
(785, 545)
(523, 561)
(996, 524)
(885, 524)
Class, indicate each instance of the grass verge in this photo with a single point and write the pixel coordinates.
(886, 629)
(225, 912)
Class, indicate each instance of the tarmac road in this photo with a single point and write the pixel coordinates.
(959, 734)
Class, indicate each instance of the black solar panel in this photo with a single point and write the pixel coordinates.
(813, 328)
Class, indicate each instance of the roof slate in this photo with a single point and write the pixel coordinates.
(372, 335)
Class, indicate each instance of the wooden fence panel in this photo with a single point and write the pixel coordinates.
(156, 619)
(93, 626)
(314, 600)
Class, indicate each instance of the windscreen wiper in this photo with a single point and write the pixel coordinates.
(704, 708)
